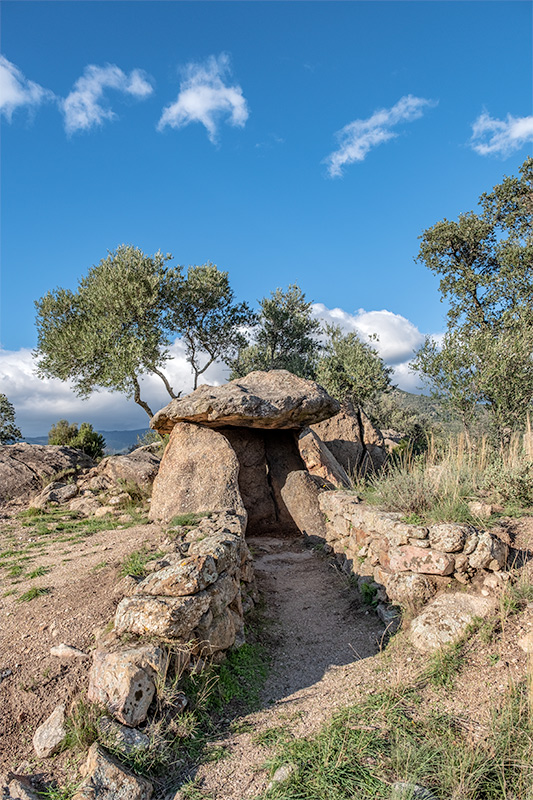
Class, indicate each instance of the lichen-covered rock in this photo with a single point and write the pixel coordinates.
(55, 494)
(106, 779)
(222, 593)
(120, 737)
(224, 548)
(124, 681)
(186, 576)
(216, 633)
(448, 537)
(320, 461)
(165, 617)
(275, 399)
(418, 559)
(49, 735)
(408, 589)
(490, 553)
(199, 472)
(446, 618)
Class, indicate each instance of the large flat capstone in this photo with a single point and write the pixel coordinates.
(275, 399)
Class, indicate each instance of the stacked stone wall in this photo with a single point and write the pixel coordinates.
(407, 564)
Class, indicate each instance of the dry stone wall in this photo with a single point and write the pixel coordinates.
(407, 564)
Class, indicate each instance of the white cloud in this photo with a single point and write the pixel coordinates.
(206, 97)
(397, 338)
(39, 403)
(17, 91)
(83, 108)
(358, 137)
(500, 137)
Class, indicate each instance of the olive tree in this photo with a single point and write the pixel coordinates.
(285, 337)
(485, 264)
(121, 321)
(114, 328)
(209, 320)
(350, 369)
(9, 432)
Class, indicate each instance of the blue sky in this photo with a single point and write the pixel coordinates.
(307, 142)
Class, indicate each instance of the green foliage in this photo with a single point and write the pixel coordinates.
(387, 738)
(31, 594)
(82, 725)
(350, 369)
(486, 266)
(114, 328)
(85, 438)
(209, 319)
(285, 336)
(135, 563)
(9, 432)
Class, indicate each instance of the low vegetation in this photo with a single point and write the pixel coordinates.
(441, 483)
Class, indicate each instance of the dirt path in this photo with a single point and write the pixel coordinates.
(324, 640)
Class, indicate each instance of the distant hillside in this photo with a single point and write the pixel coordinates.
(116, 441)
(428, 407)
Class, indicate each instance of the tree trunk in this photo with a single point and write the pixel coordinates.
(137, 396)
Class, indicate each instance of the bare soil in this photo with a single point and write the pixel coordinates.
(328, 649)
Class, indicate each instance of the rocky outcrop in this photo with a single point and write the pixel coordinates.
(139, 467)
(24, 468)
(276, 399)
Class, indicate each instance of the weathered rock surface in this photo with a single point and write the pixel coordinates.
(17, 787)
(24, 467)
(124, 681)
(446, 618)
(449, 537)
(300, 494)
(120, 737)
(418, 559)
(55, 493)
(275, 399)
(48, 736)
(106, 779)
(199, 472)
(186, 576)
(139, 467)
(352, 439)
(165, 617)
(320, 461)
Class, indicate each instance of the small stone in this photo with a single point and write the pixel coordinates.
(124, 681)
(525, 643)
(48, 736)
(67, 651)
(19, 787)
(128, 740)
(282, 774)
(401, 790)
(106, 779)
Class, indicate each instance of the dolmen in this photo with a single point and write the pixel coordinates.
(251, 446)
